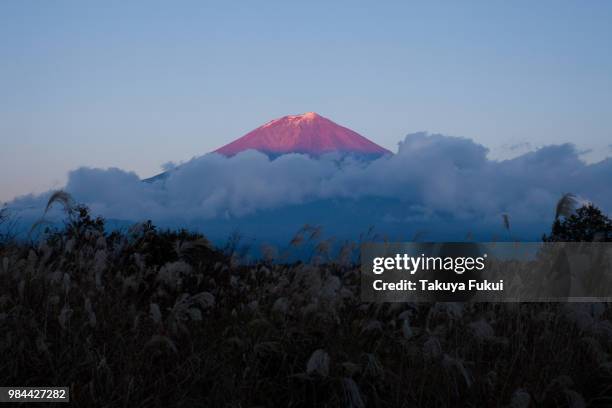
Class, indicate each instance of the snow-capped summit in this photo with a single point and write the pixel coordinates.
(308, 133)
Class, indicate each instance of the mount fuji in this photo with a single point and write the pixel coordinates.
(308, 133)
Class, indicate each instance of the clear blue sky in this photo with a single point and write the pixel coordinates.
(136, 84)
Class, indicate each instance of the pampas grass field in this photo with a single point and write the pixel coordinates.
(150, 318)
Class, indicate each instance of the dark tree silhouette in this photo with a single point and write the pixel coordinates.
(586, 224)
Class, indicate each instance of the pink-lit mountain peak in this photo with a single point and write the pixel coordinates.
(308, 133)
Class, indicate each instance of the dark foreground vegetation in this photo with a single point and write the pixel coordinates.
(150, 318)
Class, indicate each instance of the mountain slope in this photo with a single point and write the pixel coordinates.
(308, 133)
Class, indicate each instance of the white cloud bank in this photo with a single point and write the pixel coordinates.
(430, 175)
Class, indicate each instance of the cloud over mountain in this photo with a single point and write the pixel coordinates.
(439, 182)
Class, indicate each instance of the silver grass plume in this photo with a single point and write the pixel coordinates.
(506, 220)
(566, 205)
(59, 196)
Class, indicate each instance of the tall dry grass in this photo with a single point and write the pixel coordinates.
(151, 318)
